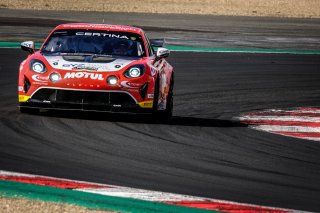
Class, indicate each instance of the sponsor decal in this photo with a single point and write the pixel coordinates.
(86, 75)
(150, 95)
(39, 78)
(109, 35)
(71, 65)
(83, 67)
(40, 83)
(80, 66)
(128, 84)
(27, 44)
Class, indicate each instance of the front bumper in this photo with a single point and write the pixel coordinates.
(115, 101)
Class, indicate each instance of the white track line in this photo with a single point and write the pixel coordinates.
(270, 128)
(312, 139)
(279, 118)
(142, 194)
(293, 111)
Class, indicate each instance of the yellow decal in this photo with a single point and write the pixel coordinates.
(23, 98)
(146, 104)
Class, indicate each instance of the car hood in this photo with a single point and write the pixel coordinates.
(69, 63)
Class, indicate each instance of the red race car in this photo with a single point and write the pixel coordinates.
(97, 67)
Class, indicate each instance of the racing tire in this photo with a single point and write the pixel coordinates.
(29, 110)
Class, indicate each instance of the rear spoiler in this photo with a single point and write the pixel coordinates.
(159, 42)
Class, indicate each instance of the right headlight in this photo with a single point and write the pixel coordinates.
(134, 71)
(37, 66)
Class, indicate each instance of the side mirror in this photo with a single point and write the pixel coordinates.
(28, 46)
(162, 53)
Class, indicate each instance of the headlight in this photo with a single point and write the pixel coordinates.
(134, 71)
(37, 66)
(112, 80)
(54, 77)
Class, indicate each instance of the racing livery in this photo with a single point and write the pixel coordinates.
(96, 67)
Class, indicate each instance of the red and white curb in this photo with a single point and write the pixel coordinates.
(141, 194)
(299, 122)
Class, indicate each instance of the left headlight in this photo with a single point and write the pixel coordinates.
(134, 71)
(37, 66)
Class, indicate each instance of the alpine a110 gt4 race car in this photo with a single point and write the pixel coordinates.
(97, 67)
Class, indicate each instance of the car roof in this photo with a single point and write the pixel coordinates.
(107, 27)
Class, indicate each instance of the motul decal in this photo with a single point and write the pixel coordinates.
(93, 76)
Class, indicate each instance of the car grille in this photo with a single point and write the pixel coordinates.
(83, 99)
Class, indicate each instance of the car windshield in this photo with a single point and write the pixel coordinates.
(100, 43)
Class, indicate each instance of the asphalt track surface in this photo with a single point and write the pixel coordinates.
(202, 151)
